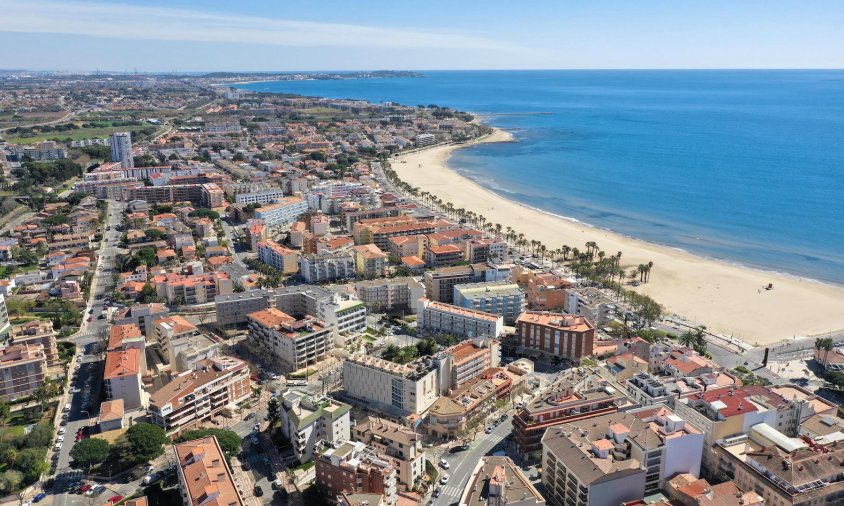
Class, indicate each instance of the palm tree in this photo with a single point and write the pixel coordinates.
(650, 266)
(700, 337)
(826, 344)
(620, 282)
(687, 339)
(566, 249)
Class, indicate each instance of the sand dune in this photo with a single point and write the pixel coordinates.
(725, 298)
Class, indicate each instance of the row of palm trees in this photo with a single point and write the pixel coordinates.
(591, 263)
(825, 344)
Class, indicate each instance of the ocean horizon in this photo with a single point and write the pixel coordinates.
(743, 166)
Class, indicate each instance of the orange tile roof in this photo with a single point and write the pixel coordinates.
(271, 317)
(122, 363)
(413, 261)
(206, 476)
(120, 333)
(111, 410)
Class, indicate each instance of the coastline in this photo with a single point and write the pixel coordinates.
(725, 297)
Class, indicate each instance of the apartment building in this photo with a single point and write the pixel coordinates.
(370, 261)
(204, 474)
(23, 368)
(445, 318)
(467, 360)
(38, 332)
(122, 377)
(297, 343)
(142, 315)
(307, 421)
(555, 334)
(379, 231)
(647, 389)
(262, 196)
(298, 300)
(784, 470)
(444, 255)
(278, 257)
(169, 329)
(197, 395)
(439, 284)
(121, 149)
(401, 389)
(327, 267)
(500, 297)
(498, 481)
(590, 303)
(577, 394)
(401, 443)
(5, 324)
(390, 294)
(126, 336)
(546, 291)
(453, 414)
(727, 414)
(355, 468)
(283, 212)
(192, 289)
(347, 319)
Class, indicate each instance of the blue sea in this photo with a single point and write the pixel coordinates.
(742, 166)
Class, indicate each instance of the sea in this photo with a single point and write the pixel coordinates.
(743, 166)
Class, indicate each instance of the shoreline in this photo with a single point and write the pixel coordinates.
(726, 297)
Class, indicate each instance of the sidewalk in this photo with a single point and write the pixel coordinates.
(244, 484)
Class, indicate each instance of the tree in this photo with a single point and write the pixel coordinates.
(10, 481)
(144, 442)
(5, 410)
(90, 452)
(687, 339)
(154, 234)
(31, 462)
(229, 440)
(273, 411)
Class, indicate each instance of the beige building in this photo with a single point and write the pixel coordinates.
(306, 421)
(439, 317)
(397, 441)
(296, 343)
(355, 468)
(370, 261)
(38, 332)
(23, 368)
(197, 395)
(122, 377)
(390, 294)
(466, 360)
(400, 389)
(204, 475)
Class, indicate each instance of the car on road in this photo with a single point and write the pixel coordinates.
(437, 492)
(444, 479)
(459, 448)
(489, 429)
(62, 430)
(150, 479)
(249, 416)
(115, 499)
(86, 487)
(99, 489)
(40, 497)
(256, 428)
(258, 491)
(245, 466)
(58, 447)
(444, 464)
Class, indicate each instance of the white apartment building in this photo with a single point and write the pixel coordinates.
(347, 318)
(121, 149)
(200, 393)
(122, 377)
(401, 389)
(435, 316)
(283, 212)
(389, 294)
(264, 196)
(306, 421)
(323, 268)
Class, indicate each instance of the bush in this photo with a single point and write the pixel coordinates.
(229, 441)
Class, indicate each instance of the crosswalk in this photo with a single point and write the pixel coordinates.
(448, 491)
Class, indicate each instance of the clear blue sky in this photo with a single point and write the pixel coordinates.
(432, 34)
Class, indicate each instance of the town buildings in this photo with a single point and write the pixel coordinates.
(297, 343)
(498, 481)
(354, 467)
(121, 149)
(199, 394)
(122, 377)
(370, 261)
(500, 298)
(307, 421)
(23, 368)
(402, 389)
(391, 294)
(204, 474)
(278, 257)
(467, 360)
(283, 212)
(316, 269)
(555, 334)
(440, 317)
(401, 443)
(38, 332)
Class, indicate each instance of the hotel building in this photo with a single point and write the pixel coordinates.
(401, 389)
(555, 334)
(501, 298)
(278, 257)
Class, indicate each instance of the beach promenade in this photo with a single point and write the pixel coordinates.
(728, 299)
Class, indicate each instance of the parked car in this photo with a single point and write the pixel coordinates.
(444, 464)
(437, 492)
(40, 497)
(488, 429)
(99, 489)
(444, 479)
(150, 479)
(258, 491)
(115, 499)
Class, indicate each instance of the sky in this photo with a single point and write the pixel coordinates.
(285, 35)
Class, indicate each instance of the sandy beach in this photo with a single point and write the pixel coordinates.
(724, 297)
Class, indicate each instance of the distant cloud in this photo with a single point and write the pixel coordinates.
(160, 23)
